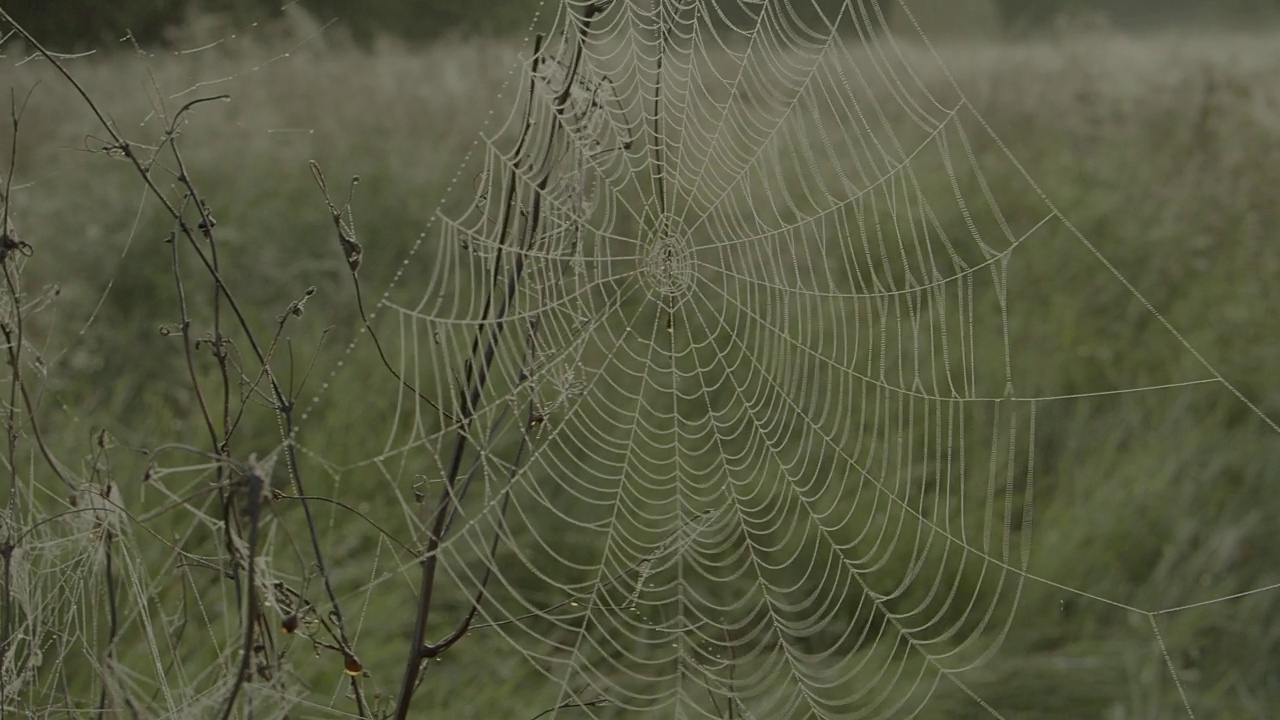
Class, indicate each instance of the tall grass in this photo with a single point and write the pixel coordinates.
(1164, 152)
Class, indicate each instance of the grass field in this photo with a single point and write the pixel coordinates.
(1152, 509)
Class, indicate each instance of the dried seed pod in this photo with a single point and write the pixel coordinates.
(352, 665)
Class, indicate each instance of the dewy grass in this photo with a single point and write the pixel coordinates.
(136, 558)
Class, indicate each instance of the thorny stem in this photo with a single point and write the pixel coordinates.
(433, 650)
(428, 556)
(492, 333)
(531, 412)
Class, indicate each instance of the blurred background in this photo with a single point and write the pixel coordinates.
(71, 25)
(1153, 124)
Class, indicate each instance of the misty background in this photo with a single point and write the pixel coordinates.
(72, 25)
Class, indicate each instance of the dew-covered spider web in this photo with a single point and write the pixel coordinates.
(714, 388)
(725, 325)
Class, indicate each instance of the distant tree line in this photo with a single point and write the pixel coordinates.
(1031, 15)
(72, 25)
(69, 25)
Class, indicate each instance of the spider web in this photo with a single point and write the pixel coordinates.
(710, 356)
(755, 441)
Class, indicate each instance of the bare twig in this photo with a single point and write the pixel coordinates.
(221, 295)
(254, 488)
(354, 253)
(484, 348)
